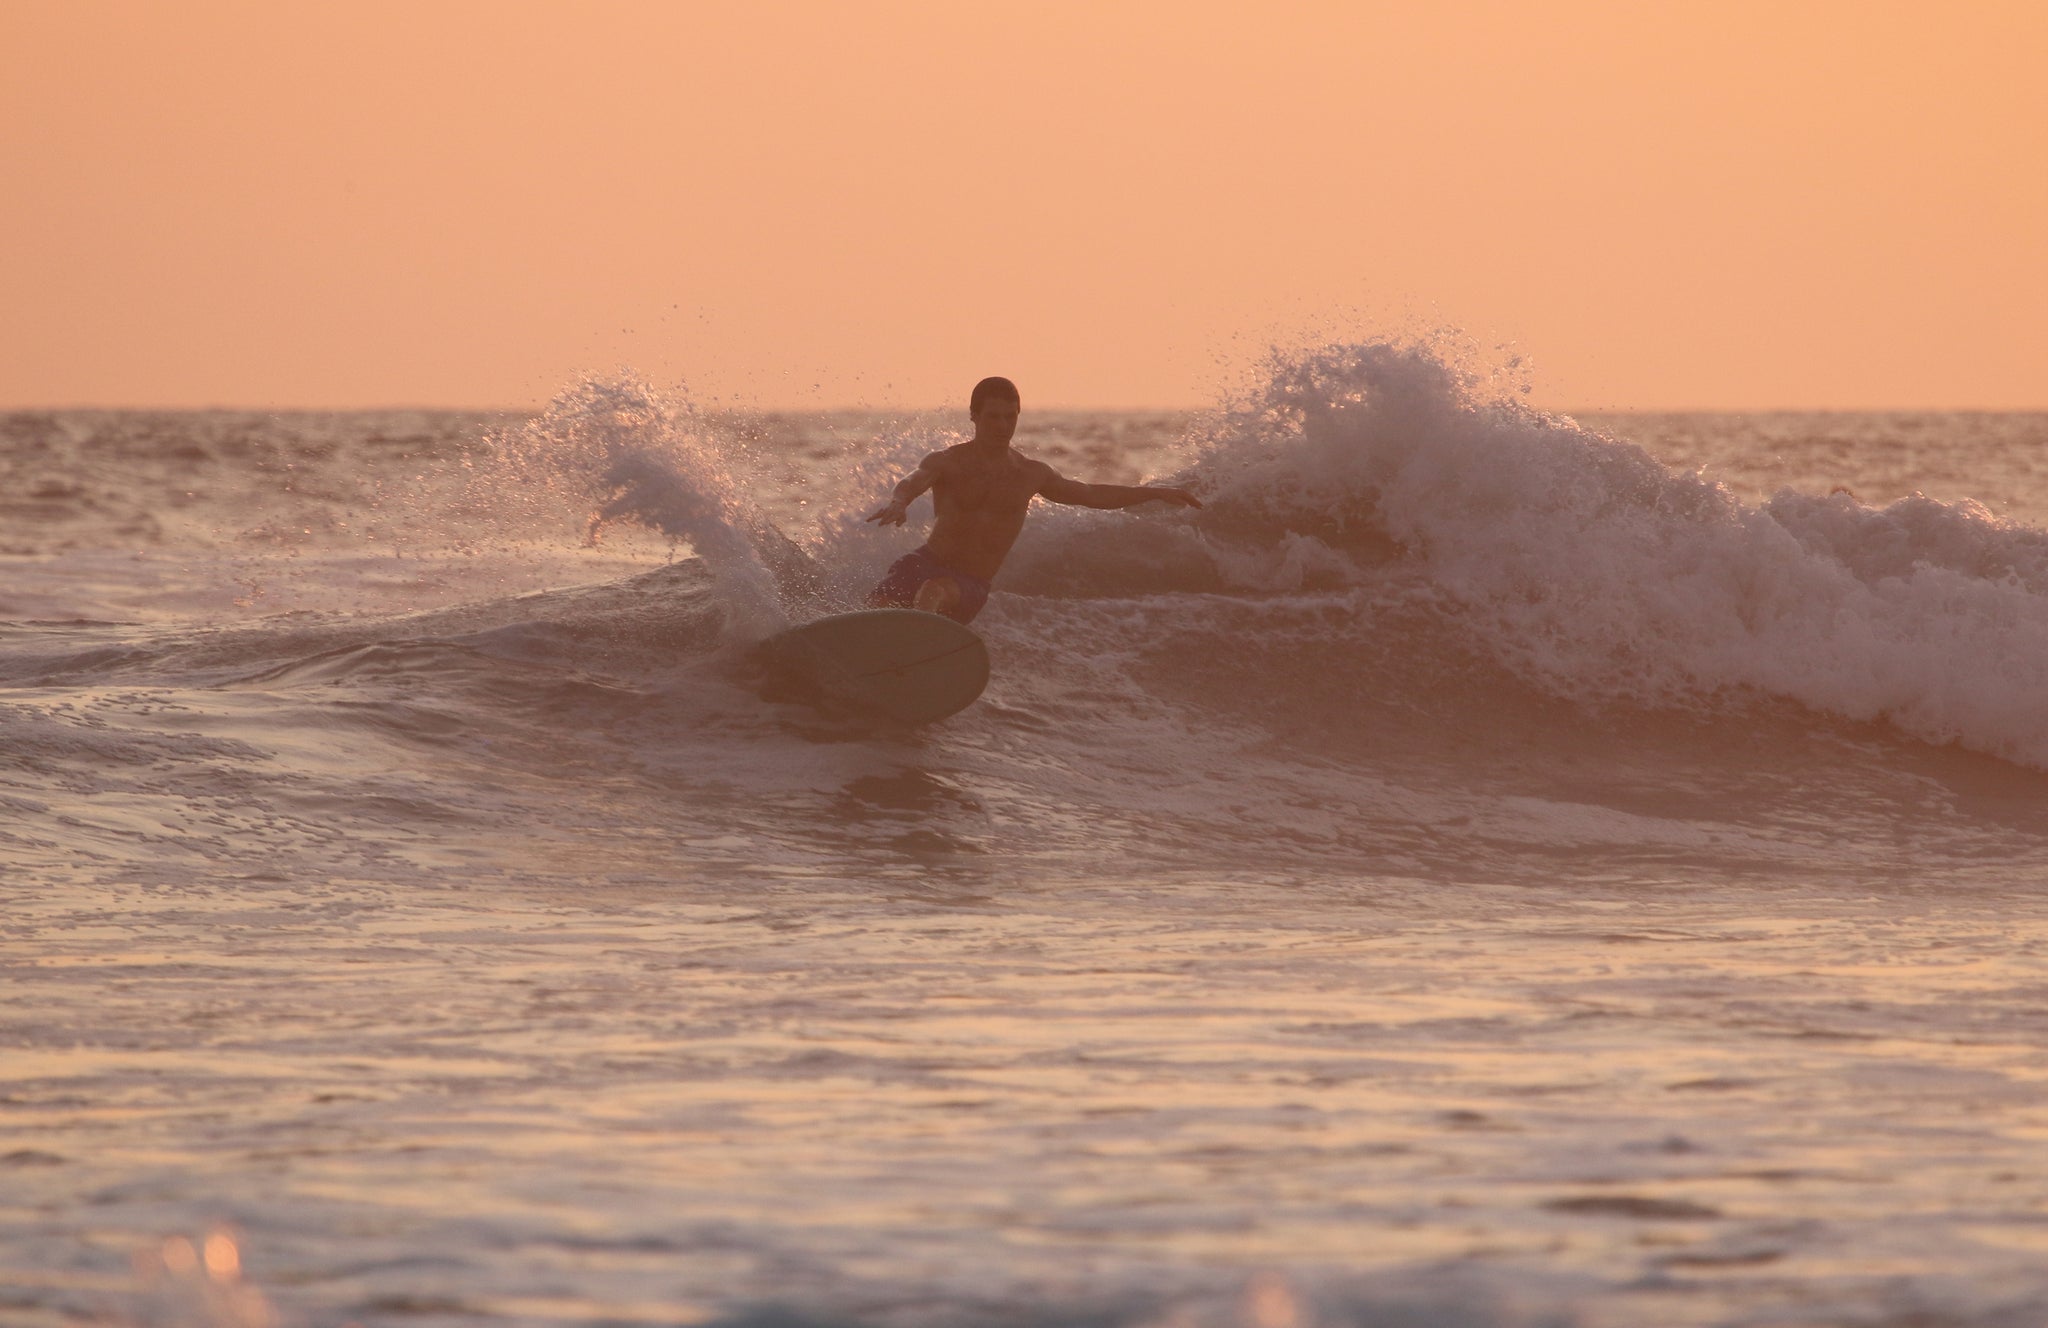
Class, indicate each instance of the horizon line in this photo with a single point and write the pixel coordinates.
(872, 409)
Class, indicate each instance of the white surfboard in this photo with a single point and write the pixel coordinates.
(911, 666)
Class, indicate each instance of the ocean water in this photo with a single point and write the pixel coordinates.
(1484, 868)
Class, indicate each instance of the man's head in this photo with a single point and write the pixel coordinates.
(994, 406)
(992, 389)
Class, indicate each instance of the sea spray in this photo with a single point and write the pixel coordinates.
(633, 454)
(1587, 564)
(851, 550)
(1582, 564)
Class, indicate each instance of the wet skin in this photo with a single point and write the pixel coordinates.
(981, 491)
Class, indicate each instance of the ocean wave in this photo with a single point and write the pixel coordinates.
(1584, 565)
(1577, 562)
(1378, 523)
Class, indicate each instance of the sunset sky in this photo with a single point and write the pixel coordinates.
(470, 204)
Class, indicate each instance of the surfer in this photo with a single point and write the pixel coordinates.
(981, 490)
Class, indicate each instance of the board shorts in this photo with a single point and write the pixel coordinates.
(899, 588)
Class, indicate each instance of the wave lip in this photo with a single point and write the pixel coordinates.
(1586, 566)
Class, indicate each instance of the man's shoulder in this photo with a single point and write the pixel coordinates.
(1044, 476)
(966, 454)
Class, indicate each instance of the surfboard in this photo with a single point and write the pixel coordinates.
(910, 666)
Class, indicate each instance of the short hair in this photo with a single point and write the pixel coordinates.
(992, 387)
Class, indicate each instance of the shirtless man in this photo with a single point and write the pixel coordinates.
(980, 492)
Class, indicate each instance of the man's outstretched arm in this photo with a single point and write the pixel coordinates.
(897, 511)
(1109, 497)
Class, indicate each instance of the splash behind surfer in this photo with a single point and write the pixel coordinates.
(981, 490)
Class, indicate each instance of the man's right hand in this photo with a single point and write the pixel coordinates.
(895, 514)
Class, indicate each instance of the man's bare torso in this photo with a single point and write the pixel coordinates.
(980, 500)
(981, 491)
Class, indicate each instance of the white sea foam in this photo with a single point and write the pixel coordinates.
(637, 454)
(1359, 901)
(1580, 561)
(1586, 565)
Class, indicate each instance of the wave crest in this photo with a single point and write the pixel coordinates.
(1587, 566)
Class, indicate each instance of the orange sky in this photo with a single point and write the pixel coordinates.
(1663, 205)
